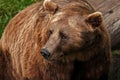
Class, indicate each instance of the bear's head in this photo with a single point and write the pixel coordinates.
(72, 31)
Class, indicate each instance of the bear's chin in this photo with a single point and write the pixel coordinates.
(62, 59)
(65, 58)
(54, 58)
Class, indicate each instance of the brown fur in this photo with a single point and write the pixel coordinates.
(84, 56)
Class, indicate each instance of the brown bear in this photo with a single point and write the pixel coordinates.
(56, 40)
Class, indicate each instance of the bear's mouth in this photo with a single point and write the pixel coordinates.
(58, 56)
(54, 58)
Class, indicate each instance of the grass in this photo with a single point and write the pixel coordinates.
(8, 8)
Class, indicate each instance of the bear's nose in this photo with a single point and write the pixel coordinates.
(45, 53)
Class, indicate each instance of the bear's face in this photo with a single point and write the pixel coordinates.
(64, 35)
(69, 33)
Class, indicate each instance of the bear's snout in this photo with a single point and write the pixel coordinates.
(45, 53)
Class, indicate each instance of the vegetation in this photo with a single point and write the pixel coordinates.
(8, 8)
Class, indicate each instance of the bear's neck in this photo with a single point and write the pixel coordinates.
(58, 71)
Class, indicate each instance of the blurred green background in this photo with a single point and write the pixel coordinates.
(8, 8)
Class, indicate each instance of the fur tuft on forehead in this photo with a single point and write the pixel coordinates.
(58, 17)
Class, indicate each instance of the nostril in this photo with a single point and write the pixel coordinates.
(45, 53)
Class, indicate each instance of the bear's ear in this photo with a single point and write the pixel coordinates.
(50, 6)
(95, 19)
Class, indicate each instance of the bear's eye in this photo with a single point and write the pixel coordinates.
(63, 36)
(50, 32)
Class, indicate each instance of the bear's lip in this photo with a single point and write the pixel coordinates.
(54, 59)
